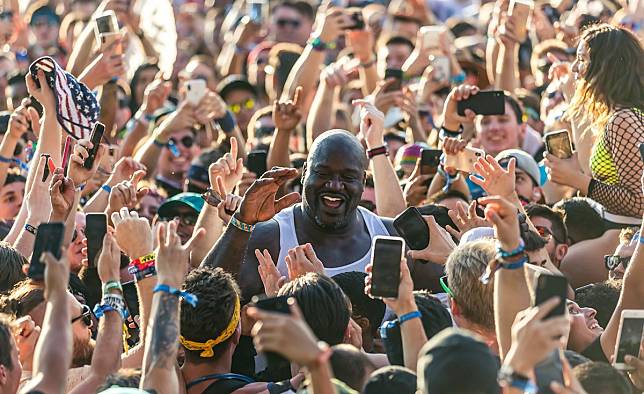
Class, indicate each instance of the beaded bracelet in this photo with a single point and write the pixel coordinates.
(241, 225)
(187, 297)
(111, 285)
(504, 254)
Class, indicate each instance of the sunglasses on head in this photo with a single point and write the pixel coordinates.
(247, 104)
(294, 23)
(186, 141)
(612, 261)
(86, 316)
(445, 285)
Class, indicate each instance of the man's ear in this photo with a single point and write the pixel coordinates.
(536, 194)
(453, 306)
(3, 375)
(560, 252)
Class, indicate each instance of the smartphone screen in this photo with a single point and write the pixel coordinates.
(95, 229)
(549, 286)
(97, 135)
(278, 305)
(106, 23)
(558, 144)
(396, 74)
(256, 11)
(385, 274)
(257, 162)
(483, 103)
(67, 152)
(430, 159)
(49, 238)
(630, 338)
(412, 228)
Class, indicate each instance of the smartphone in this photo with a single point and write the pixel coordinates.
(257, 162)
(195, 90)
(95, 229)
(491, 102)
(67, 152)
(357, 20)
(548, 370)
(106, 23)
(411, 226)
(520, 10)
(549, 286)
(431, 36)
(558, 144)
(629, 337)
(441, 68)
(273, 304)
(257, 11)
(430, 159)
(106, 39)
(396, 74)
(49, 238)
(642, 151)
(464, 160)
(95, 138)
(386, 254)
(47, 170)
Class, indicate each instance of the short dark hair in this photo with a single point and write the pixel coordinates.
(11, 262)
(516, 107)
(581, 219)
(600, 378)
(13, 177)
(302, 7)
(602, 297)
(575, 358)
(352, 284)
(23, 298)
(217, 293)
(350, 365)
(554, 216)
(400, 40)
(324, 305)
(5, 341)
(437, 197)
(392, 379)
(124, 377)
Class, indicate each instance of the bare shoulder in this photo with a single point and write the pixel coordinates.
(266, 235)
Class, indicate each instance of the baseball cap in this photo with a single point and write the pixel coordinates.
(455, 361)
(391, 379)
(44, 13)
(525, 163)
(190, 200)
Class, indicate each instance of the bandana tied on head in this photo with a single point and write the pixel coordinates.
(207, 346)
(77, 109)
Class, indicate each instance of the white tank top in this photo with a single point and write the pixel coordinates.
(288, 240)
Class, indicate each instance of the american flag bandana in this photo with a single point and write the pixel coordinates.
(76, 106)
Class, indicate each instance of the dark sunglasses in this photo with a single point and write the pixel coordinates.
(124, 103)
(445, 285)
(546, 233)
(86, 315)
(611, 262)
(186, 141)
(186, 220)
(294, 23)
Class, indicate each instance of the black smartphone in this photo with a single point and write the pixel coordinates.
(412, 228)
(396, 74)
(357, 20)
(257, 162)
(490, 102)
(95, 138)
(385, 259)
(558, 144)
(95, 229)
(273, 304)
(642, 151)
(430, 159)
(549, 286)
(49, 238)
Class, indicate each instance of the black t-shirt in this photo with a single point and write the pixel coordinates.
(595, 352)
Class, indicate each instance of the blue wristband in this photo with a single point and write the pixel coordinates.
(188, 297)
(227, 123)
(525, 386)
(514, 265)
(159, 143)
(504, 254)
(408, 316)
(5, 159)
(641, 239)
(107, 188)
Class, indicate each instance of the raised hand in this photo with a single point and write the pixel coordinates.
(228, 206)
(127, 194)
(155, 95)
(22, 118)
(247, 180)
(38, 199)
(496, 181)
(229, 168)
(260, 204)
(566, 172)
(173, 259)
(415, 190)
(301, 260)
(62, 192)
(268, 272)
(124, 169)
(109, 259)
(107, 65)
(211, 107)
(287, 114)
(504, 216)
(180, 119)
(440, 244)
(384, 99)
(371, 123)
(332, 24)
(452, 120)
(43, 94)
(405, 302)
(361, 41)
(335, 74)
(465, 218)
(56, 276)
(77, 172)
(132, 233)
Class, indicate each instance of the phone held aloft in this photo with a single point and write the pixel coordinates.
(195, 90)
(412, 228)
(629, 337)
(465, 159)
(558, 144)
(386, 254)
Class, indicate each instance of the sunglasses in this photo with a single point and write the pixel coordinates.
(294, 23)
(444, 284)
(247, 104)
(124, 103)
(611, 261)
(86, 316)
(546, 233)
(186, 220)
(186, 141)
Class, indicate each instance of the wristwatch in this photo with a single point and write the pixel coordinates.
(507, 377)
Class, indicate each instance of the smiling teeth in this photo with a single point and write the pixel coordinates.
(332, 199)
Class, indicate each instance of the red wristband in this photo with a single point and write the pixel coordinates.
(381, 150)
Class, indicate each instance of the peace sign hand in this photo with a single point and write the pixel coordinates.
(287, 114)
(173, 259)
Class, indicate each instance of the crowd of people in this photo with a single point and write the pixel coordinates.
(255, 151)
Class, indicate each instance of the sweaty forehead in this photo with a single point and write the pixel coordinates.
(338, 145)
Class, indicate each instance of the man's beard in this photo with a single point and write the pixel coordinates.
(82, 352)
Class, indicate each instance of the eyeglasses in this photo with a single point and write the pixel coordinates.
(294, 23)
(546, 233)
(247, 104)
(444, 284)
(86, 315)
(186, 220)
(612, 261)
(186, 141)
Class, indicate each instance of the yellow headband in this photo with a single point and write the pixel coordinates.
(209, 344)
